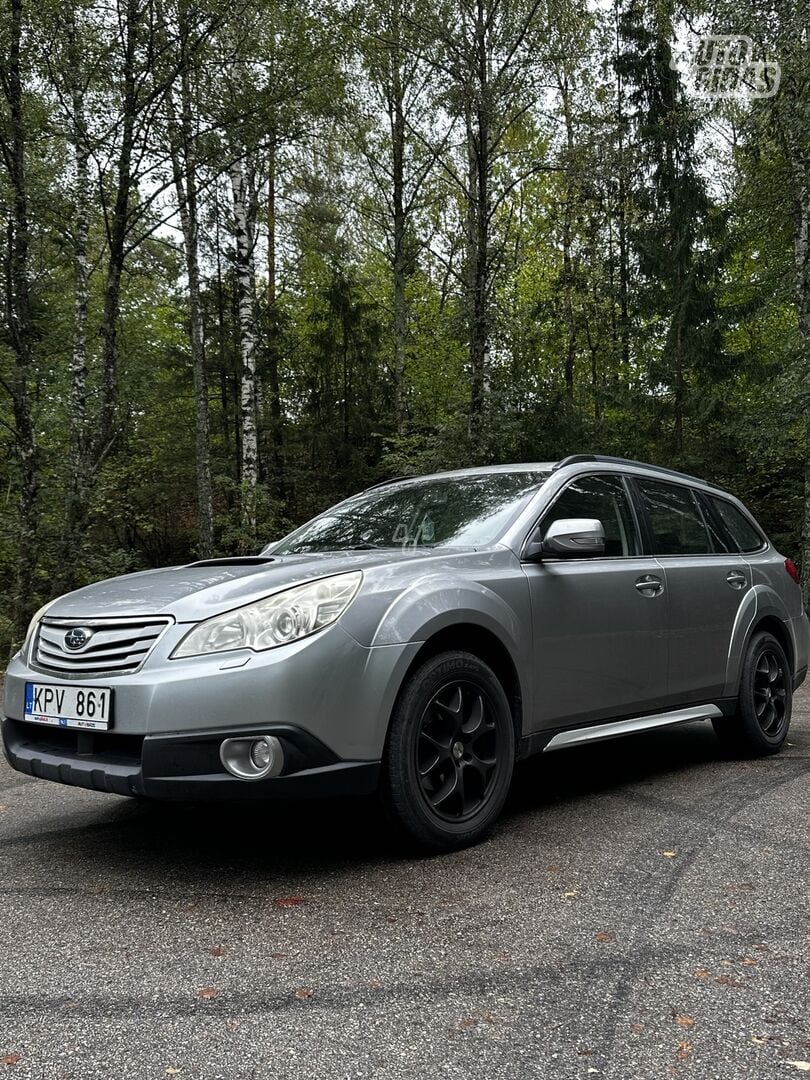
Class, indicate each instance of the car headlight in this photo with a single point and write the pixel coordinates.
(277, 620)
(32, 626)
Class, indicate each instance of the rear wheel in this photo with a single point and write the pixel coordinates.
(762, 719)
(450, 754)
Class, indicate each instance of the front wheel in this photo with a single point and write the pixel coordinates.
(450, 753)
(760, 724)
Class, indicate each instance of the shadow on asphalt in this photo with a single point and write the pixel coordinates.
(257, 841)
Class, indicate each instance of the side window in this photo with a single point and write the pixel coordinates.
(741, 530)
(601, 497)
(675, 519)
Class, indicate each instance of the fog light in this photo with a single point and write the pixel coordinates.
(252, 757)
(261, 754)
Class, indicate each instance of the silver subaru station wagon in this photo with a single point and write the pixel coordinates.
(417, 640)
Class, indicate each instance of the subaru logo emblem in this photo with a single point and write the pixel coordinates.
(77, 638)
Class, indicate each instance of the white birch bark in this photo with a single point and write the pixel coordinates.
(248, 340)
(76, 493)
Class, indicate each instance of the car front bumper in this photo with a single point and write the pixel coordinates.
(185, 767)
(326, 698)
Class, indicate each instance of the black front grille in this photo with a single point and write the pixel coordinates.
(102, 747)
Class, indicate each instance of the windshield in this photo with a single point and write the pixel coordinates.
(458, 511)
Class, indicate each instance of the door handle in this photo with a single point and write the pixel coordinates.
(736, 579)
(650, 585)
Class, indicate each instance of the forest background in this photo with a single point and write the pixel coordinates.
(258, 256)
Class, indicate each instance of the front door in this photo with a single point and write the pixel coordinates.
(600, 623)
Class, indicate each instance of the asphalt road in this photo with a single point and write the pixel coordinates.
(641, 912)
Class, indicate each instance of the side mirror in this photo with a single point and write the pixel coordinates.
(571, 537)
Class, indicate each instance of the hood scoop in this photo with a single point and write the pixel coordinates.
(236, 560)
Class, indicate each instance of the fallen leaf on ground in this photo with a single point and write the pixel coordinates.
(10, 1059)
(172, 1071)
(726, 980)
(208, 993)
(303, 993)
(684, 1021)
(684, 1050)
(637, 1028)
(288, 901)
(670, 854)
(277, 955)
(749, 961)
(802, 1066)
(374, 984)
(603, 935)
(218, 950)
(702, 973)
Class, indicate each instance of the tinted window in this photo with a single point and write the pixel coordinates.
(459, 511)
(743, 533)
(601, 497)
(675, 519)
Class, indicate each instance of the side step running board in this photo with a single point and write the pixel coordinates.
(599, 732)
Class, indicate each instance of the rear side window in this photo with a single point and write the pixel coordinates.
(601, 497)
(741, 530)
(676, 521)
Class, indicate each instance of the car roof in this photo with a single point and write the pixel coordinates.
(548, 467)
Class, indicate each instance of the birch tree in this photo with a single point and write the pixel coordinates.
(244, 231)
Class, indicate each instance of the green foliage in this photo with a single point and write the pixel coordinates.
(635, 308)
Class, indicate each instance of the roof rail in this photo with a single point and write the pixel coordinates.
(392, 480)
(576, 459)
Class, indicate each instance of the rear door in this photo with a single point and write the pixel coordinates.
(705, 582)
(599, 623)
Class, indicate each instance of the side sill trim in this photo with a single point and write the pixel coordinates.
(599, 732)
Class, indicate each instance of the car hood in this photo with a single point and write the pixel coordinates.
(199, 590)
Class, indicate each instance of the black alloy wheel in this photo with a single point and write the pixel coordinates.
(760, 722)
(457, 750)
(770, 692)
(450, 752)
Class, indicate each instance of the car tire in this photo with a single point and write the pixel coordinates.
(761, 721)
(450, 753)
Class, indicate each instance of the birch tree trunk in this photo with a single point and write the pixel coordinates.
(244, 231)
(276, 432)
(76, 494)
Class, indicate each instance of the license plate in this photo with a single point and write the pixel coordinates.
(87, 707)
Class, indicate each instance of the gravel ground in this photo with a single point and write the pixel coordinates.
(641, 912)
